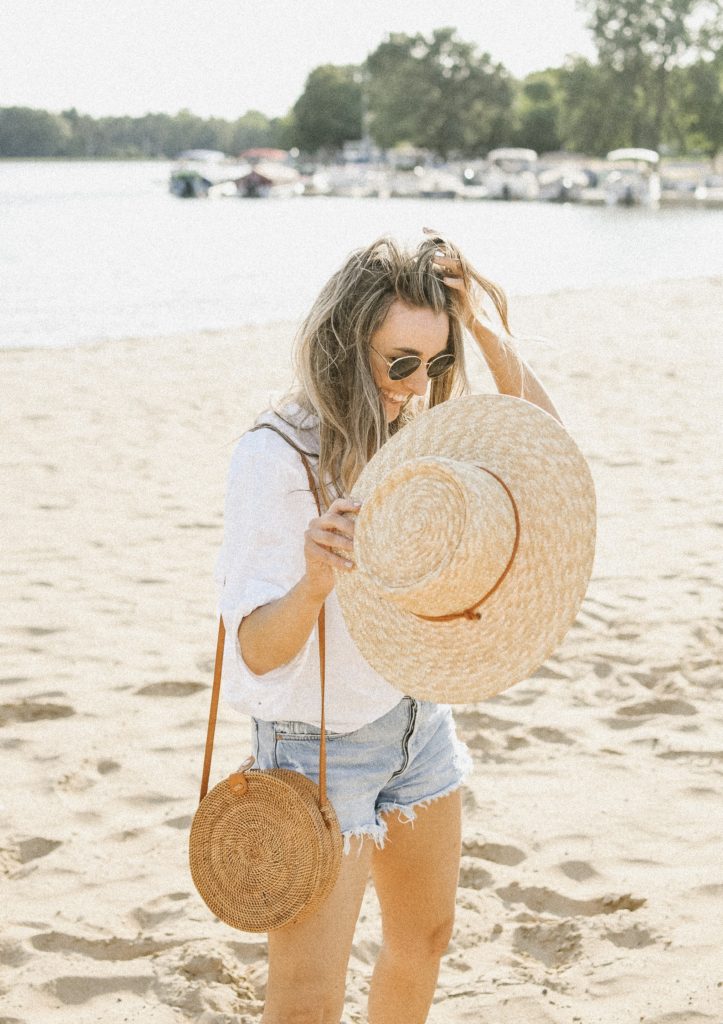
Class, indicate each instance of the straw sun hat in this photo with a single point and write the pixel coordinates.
(474, 547)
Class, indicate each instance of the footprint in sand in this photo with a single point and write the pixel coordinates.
(475, 720)
(12, 954)
(113, 948)
(205, 983)
(578, 870)
(162, 908)
(554, 944)
(40, 630)
(182, 823)
(634, 937)
(171, 688)
(631, 716)
(657, 707)
(150, 799)
(205, 665)
(24, 851)
(550, 735)
(699, 758)
(472, 875)
(543, 900)
(684, 1017)
(83, 777)
(76, 989)
(498, 853)
(32, 711)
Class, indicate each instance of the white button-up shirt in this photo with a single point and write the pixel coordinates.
(268, 508)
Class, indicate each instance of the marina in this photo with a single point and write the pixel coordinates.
(101, 250)
(625, 177)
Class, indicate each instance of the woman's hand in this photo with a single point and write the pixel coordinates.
(459, 276)
(332, 530)
(453, 277)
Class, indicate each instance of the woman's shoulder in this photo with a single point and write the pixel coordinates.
(262, 444)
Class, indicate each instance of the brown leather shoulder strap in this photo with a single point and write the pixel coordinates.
(215, 692)
(313, 487)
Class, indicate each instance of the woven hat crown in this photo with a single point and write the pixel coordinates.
(436, 535)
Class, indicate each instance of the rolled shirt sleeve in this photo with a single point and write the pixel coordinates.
(267, 509)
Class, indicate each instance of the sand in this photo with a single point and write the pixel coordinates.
(591, 886)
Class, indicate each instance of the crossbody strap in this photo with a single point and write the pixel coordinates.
(322, 654)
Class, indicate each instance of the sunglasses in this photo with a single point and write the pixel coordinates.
(405, 366)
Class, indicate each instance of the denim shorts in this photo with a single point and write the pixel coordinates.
(403, 760)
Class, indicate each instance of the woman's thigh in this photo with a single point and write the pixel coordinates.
(308, 960)
(416, 876)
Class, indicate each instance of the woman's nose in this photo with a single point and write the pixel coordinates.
(419, 380)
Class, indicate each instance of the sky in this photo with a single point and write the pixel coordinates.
(223, 57)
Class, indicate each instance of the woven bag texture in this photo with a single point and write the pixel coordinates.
(267, 857)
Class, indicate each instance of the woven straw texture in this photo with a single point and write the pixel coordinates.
(433, 539)
(267, 857)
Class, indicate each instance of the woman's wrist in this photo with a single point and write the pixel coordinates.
(485, 337)
(313, 592)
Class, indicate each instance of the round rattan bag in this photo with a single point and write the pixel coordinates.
(264, 850)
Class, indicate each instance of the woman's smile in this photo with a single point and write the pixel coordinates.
(396, 398)
(403, 325)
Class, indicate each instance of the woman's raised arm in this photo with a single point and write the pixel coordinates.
(511, 373)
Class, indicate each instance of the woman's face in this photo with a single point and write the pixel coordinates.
(406, 331)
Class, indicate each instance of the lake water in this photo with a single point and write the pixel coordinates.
(93, 251)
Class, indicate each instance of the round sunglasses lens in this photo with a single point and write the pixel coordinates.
(403, 367)
(440, 365)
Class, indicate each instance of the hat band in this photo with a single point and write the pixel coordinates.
(472, 613)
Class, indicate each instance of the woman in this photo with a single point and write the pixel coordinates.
(382, 340)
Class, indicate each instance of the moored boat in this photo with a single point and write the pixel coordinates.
(199, 173)
(511, 174)
(632, 177)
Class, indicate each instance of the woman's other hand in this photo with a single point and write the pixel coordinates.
(328, 544)
(452, 273)
(467, 284)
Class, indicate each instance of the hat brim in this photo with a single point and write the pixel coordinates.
(527, 617)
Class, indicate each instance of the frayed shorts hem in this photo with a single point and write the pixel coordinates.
(407, 815)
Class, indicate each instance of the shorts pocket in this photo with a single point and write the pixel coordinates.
(302, 731)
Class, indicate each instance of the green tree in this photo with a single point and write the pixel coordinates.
(643, 40)
(329, 111)
(538, 109)
(597, 111)
(28, 132)
(250, 131)
(439, 93)
(697, 100)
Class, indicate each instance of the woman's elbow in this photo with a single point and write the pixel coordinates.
(254, 653)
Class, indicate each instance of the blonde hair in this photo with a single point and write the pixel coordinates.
(334, 378)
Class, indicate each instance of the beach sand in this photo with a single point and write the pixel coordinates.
(591, 887)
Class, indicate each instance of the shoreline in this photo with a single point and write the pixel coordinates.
(590, 876)
(287, 324)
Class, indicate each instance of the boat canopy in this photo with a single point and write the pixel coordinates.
(512, 153)
(202, 155)
(648, 156)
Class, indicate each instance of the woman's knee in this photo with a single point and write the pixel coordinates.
(425, 942)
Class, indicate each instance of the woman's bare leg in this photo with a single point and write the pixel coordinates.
(416, 876)
(308, 961)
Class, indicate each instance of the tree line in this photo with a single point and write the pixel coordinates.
(657, 83)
